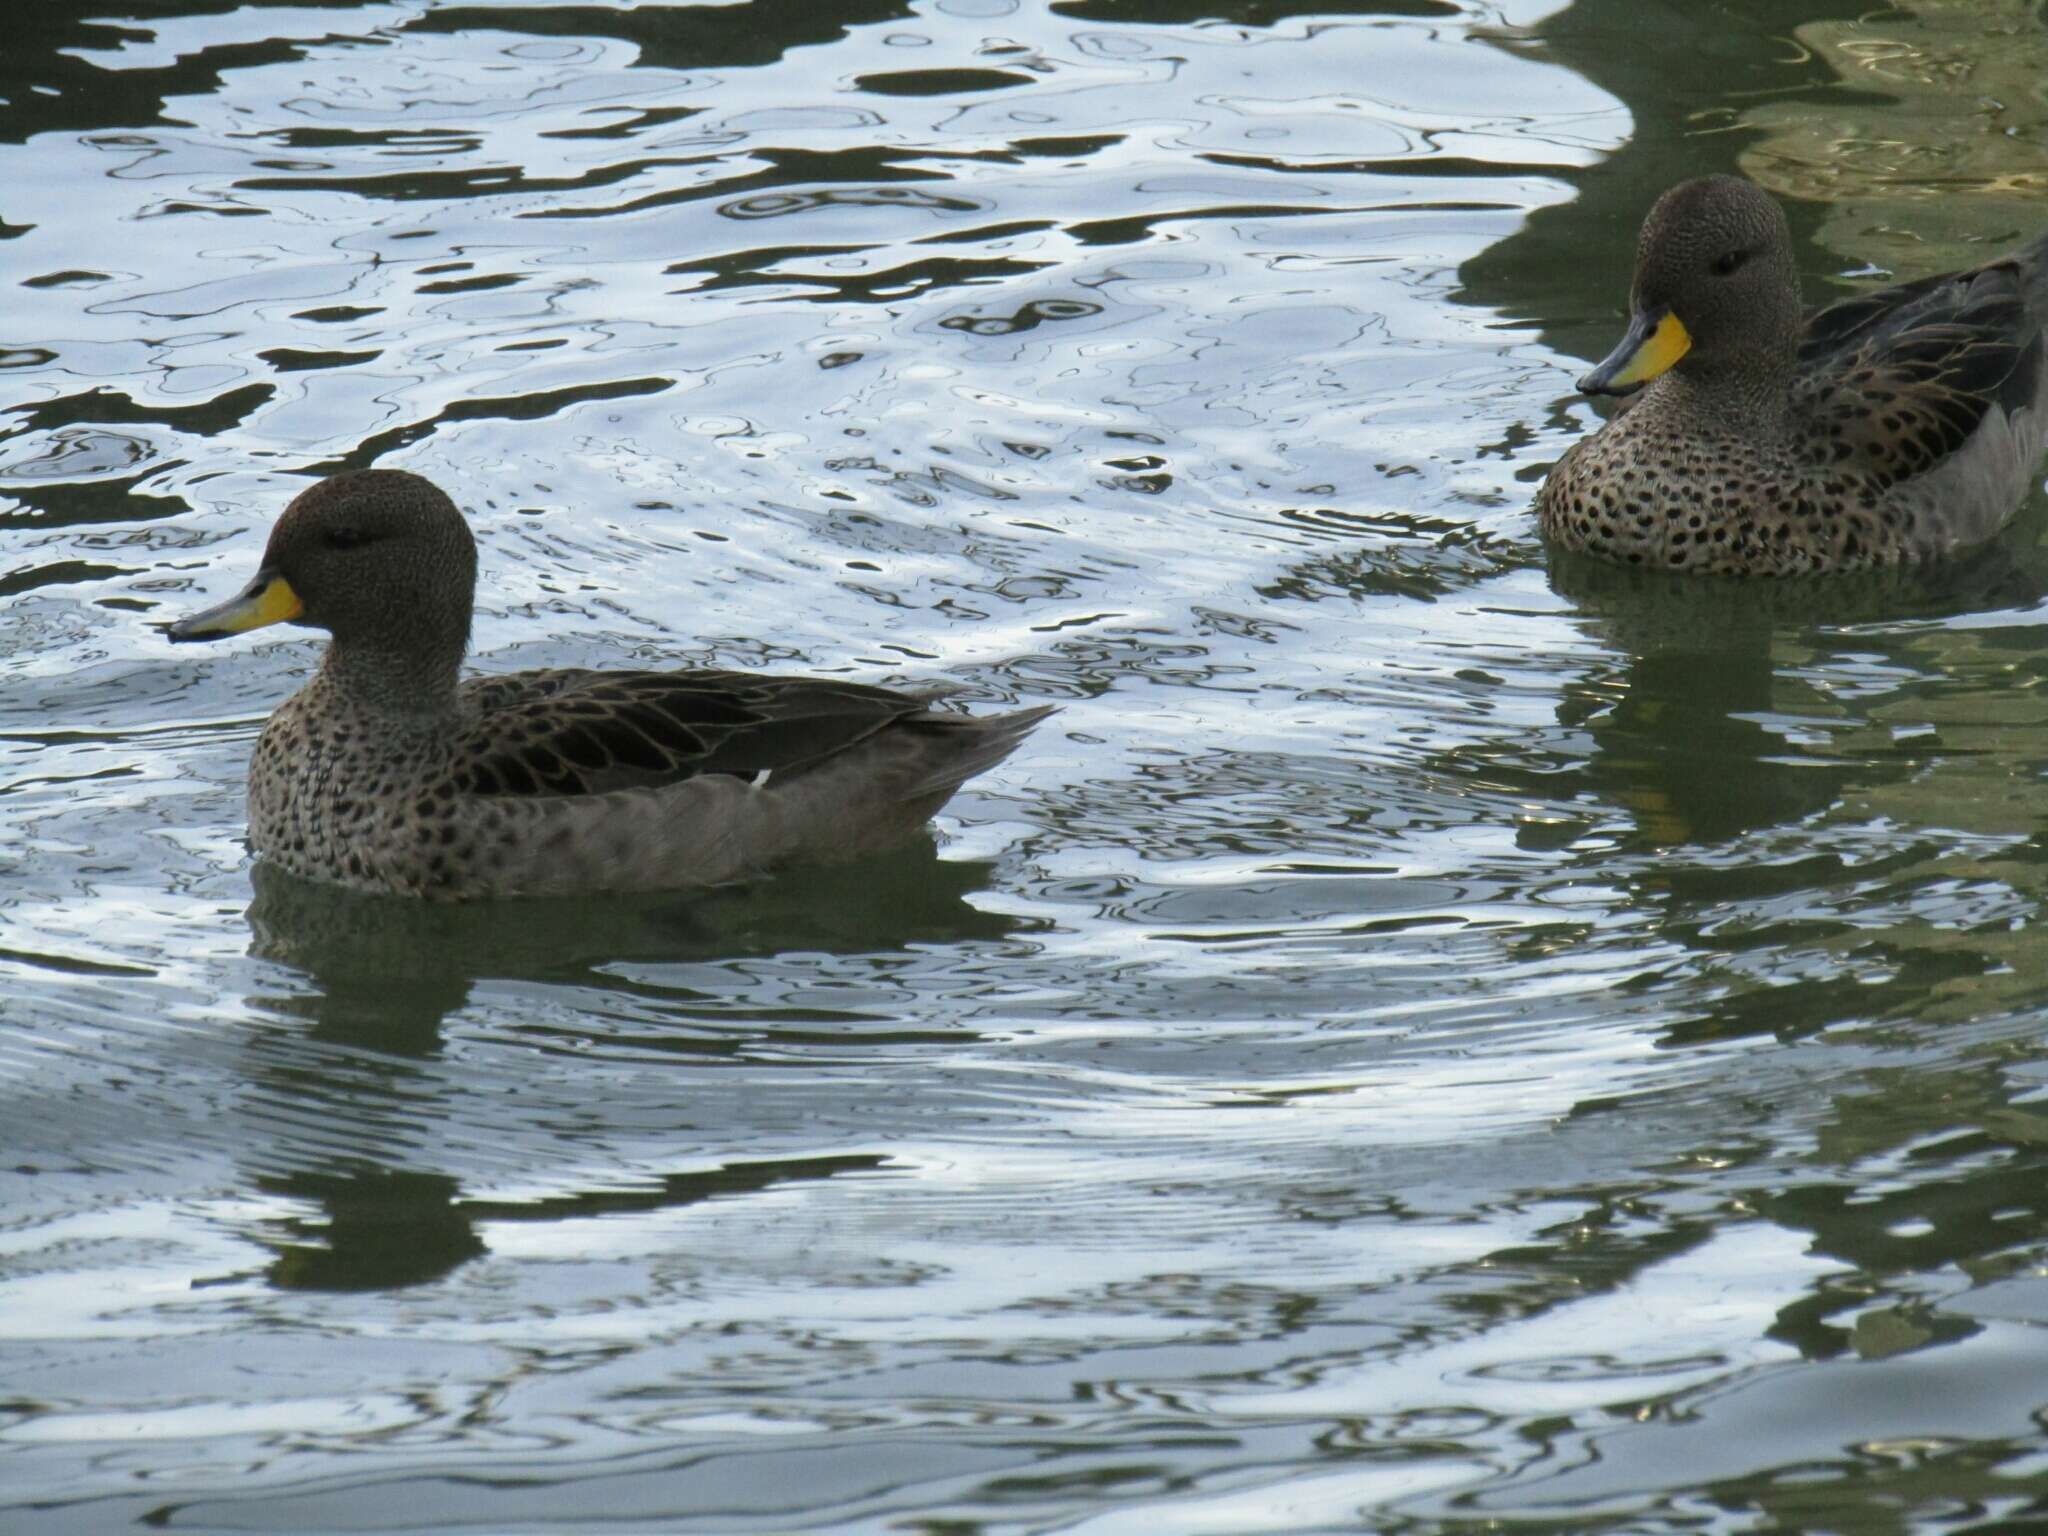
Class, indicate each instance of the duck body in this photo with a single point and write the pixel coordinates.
(1893, 427)
(557, 783)
(389, 773)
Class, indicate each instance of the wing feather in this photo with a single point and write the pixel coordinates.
(1902, 379)
(573, 732)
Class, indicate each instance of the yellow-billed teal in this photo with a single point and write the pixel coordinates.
(1891, 427)
(388, 772)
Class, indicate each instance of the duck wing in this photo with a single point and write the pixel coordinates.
(581, 732)
(1901, 380)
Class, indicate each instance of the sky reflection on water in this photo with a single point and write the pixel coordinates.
(1430, 1034)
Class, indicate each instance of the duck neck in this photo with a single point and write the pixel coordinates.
(1748, 401)
(407, 685)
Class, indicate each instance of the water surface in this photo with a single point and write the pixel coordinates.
(1429, 1035)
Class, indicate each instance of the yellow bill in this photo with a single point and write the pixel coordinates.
(269, 599)
(1654, 342)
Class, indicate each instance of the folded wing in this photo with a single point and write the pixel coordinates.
(574, 732)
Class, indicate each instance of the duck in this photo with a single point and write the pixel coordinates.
(390, 772)
(1894, 427)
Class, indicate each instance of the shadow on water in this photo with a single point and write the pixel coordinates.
(384, 1227)
(48, 82)
(1680, 126)
(1680, 717)
(386, 973)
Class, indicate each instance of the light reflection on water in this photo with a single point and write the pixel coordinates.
(1428, 1034)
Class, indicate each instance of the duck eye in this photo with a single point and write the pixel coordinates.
(347, 536)
(1728, 261)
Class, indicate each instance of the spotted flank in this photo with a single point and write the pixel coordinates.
(387, 772)
(1893, 427)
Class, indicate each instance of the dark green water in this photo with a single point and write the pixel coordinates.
(1429, 1040)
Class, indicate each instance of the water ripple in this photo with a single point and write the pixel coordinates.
(1306, 1087)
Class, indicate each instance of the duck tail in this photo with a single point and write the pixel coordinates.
(973, 745)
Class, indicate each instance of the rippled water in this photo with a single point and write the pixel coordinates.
(1429, 1036)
